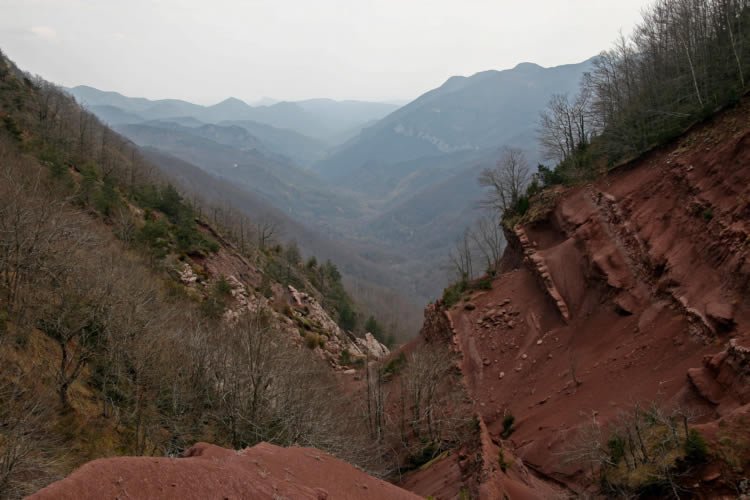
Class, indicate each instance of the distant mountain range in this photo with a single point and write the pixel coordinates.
(323, 119)
(394, 185)
(465, 114)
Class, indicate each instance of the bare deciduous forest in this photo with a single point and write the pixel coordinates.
(105, 351)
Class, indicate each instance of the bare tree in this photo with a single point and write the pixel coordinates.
(267, 231)
(490, 240)
(564, 126)
(507, 181)
(684, 57)
(73, 317)
(27, 449)
(462, 256)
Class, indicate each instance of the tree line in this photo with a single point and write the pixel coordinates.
(685, 60)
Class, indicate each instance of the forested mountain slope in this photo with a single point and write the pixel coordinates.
(482, 112)
(134, 320)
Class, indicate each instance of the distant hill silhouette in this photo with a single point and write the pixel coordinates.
(322, 119)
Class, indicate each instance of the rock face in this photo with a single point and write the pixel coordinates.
(313, 316)
(207, 472)
(372, 347)
(632, 289)
(301, 314)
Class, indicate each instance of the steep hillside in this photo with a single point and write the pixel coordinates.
(233, 153)
(131, 322)
(620, 315)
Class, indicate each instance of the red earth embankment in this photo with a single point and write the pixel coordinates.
(626, 291)
(208, 471)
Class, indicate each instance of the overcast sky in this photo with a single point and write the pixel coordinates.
(204, 51)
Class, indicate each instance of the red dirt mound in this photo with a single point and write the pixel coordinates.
(207, 471)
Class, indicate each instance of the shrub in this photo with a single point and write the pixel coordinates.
(504, 464)
(347, 317)
(313, 340)
(222, 286)
(154, 235)
(453, 293)
(394, 365)
(508, 421)
(345, 358)
(211, 245)
(12, 127)
(696, 450)
(484, 283)
(372, 326)
(429, 450)
(616, 447)
(522, 205)
(214, 306)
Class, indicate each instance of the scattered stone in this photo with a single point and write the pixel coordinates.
(539, 342)
(524, 356)
(470, 306)
(501, 375)
(486, 362)
(711, 474)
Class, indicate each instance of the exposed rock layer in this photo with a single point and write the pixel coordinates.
(631, 289)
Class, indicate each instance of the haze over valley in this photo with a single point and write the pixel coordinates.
(385, 191)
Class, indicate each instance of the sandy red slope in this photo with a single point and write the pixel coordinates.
(627, 291)
(208, 471)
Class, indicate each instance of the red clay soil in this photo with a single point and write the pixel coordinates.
(627, 291)
(208, 471)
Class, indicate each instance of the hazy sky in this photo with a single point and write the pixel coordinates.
(206, 50)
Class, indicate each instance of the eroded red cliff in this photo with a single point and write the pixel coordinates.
(629, 290)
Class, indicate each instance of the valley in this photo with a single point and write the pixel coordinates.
(526, 283)
(395, 193)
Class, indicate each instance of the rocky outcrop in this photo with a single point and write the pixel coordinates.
(312, 315)
(537, 264)
(724, 379)
(372, 347)
(206, 471)
(295, 312)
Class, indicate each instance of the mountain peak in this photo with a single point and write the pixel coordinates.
(527, 66)
(232, 101)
